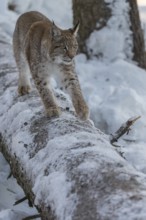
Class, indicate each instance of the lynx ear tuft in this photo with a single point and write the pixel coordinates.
(76, 28)
(55, 30)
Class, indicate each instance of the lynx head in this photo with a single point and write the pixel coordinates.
(64, 44)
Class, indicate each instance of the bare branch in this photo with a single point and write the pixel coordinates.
(20, 200)
(32, 217)
(125, 128)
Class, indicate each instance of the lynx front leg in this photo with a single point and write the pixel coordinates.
(71, 84)
(79, 103)
(47, 96)
(24, 85)
(39, 71)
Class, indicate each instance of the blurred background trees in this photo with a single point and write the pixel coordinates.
(89, 12)
(95, 15)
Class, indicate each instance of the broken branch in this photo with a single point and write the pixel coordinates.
(125, 128)
(32, 217)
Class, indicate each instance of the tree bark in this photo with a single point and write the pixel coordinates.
(66, 167)
(138, 36)
(93, 12)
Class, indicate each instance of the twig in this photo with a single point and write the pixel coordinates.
(20, 200)
(125, 128)
(11, 191)
(9, 176)
(130, 141)
(32, 217)
(30, 203)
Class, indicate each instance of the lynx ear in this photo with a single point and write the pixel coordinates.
(55, 30)
(76, 28)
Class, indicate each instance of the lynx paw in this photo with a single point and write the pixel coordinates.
(53, 112)
(83, 113)
(23, 90)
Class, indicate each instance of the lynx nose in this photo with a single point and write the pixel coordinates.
(71, 55)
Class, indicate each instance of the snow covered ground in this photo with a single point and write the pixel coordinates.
(114, 88)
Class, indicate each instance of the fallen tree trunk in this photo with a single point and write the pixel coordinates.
(66, 167)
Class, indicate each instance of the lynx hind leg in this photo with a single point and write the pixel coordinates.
(24, 85)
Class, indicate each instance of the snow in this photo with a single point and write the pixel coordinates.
(57, 189)
(114, 88)
(9, 193)
(59, 11)
(115, 39)
(116, 93)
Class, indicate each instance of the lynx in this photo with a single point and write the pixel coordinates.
(44, 50)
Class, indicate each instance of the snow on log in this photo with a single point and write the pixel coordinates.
(66, 167)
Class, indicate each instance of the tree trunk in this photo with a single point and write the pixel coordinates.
(89, 12)
(95, 15)
(138, 36)
(66, 167)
